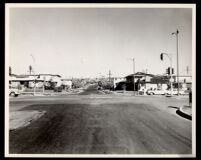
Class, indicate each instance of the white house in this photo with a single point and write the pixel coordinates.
(67, 82)
(37, 80)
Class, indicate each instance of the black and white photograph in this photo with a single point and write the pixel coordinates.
(100, 80)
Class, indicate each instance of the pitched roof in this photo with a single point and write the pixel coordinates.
(140, 74)
(28, 75)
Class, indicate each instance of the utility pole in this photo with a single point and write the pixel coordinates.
(110, 78)
(109, 75)
(30, 69)
(176, 33)
(134, 75)
(188, 70)
(34, 87)
(44, 80)
(145, 78)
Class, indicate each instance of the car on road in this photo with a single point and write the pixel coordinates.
(14, 92)
(156, 92)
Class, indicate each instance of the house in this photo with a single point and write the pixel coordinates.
(142, 81)
(36, 80)
(150, 81)
(117, 80)
(67, 82)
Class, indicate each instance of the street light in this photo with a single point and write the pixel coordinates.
(170, 58)
(176, 33)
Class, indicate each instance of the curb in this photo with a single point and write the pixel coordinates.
(181, 112)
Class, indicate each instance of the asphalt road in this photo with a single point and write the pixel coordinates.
(97, 123)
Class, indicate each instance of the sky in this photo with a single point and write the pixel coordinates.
(88, 42)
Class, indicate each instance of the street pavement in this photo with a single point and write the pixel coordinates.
(97, 123)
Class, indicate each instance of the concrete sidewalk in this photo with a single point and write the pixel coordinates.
(186, 112)
(20, 119)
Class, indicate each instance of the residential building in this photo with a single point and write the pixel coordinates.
(150, 81)
(117, 80)
(35, 80)
(66, 82)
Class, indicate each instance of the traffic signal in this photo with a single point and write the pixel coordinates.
(161, 56)
(167, 72)
(172, 70)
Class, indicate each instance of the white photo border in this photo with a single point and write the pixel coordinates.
(9, 6)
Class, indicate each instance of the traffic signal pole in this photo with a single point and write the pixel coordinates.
(170, 58)
(177, 32)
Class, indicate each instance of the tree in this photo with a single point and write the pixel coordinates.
(78, 83)
(105, 84)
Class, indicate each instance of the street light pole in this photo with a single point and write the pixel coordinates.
(176, 33)
(134, 75)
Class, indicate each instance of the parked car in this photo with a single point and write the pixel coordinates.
(142, 91)
(58, 89)
(156, 92)
(175, 92)
(14, 92)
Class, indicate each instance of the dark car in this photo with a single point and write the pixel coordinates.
(58, 89)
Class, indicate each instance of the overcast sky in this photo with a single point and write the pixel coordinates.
(88, 42)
